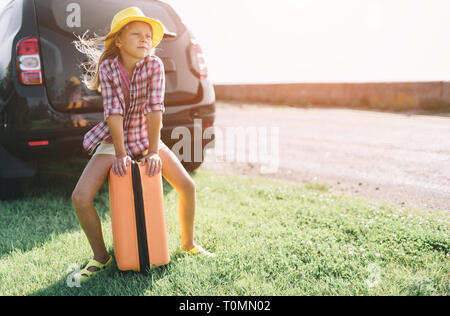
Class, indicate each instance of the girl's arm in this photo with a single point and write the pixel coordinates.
(115, 124)
(154, 119)
(113, 113)
(153, 111)
(154, 107)
(154, 164)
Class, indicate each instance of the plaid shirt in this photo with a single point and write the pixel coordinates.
(146, 95)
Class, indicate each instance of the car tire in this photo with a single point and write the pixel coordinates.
(13, 189)
(191, 166)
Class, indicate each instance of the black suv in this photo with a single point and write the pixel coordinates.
(45, 110)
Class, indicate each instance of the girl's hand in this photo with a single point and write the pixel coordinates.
(119, 166)
(154, 164)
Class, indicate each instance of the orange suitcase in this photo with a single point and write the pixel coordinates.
(138, 222)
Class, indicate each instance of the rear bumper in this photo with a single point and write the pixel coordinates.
(11, 167)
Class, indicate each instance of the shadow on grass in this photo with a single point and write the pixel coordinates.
(46, 209)
(113, 281)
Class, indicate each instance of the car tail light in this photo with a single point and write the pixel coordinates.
(198, 60)
(38, 143)
(29, 62)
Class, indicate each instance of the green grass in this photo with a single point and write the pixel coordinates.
(270, 238)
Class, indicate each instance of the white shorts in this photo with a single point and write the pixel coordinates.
(106, 148)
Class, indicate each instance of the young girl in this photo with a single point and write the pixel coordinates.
(132, 82)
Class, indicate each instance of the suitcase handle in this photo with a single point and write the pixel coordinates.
(140, 156)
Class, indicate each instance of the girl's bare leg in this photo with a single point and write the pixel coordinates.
(174, 172)
(92, 178)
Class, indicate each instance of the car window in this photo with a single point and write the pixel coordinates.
(82, 15)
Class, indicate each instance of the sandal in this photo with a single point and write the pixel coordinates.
(199, 250)
(85, 274)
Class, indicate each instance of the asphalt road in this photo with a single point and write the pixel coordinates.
(396, 158)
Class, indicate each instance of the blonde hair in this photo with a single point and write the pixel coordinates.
(94, 49)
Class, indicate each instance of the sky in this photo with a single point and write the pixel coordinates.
(293, 41)
(290, 41)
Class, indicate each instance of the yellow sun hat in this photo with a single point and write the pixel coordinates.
(132, 14)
